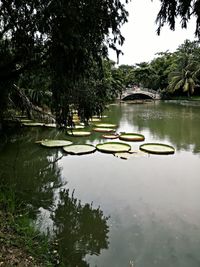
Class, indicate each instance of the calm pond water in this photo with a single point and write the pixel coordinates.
(141, 212)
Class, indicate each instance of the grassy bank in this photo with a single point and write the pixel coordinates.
(20, 243)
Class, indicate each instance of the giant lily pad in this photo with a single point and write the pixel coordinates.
(95, 119)
(110, 136)
(55, 143)
(131, 137)
(79, 149)
(113, 147)
(103, 130)
(50, 125)
(106, 125)
(78, 133)
(156, 148)
(32, 124)
(25, 120)
(77, 126)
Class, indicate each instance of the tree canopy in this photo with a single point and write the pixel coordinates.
(170, 73)
(67, 39)
(53, 53)
(170, 10)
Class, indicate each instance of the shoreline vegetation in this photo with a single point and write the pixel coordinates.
(21, 244)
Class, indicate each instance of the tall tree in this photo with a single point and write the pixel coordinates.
(127, 72)
(185, 76)
(142, 73)
(71, 37)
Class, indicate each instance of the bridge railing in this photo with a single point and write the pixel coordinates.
(148, 90)
(139, 89)
(128, 91)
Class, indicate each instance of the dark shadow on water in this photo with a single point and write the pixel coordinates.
(80, 230)
(34, 175)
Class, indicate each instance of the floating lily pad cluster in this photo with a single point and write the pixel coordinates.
(119, 149)
(68, 146)
(108, 130)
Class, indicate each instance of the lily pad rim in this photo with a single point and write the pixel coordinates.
(80, 153)
(112, 136)
(105, 125)
(112, 143)
(33, 124)
(125, 137)
(78, 133)
(50, 125)
(42, 142)
(103, 130)
(172, 151)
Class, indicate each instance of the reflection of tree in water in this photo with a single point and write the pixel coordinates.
(80, 230)
(33, 173)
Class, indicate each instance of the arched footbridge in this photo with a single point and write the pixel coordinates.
(140, 93)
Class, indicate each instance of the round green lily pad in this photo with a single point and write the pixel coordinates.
(106, 125)
(76, 127)
(50, 125)
(103, 130)
(55, 143)
(32, 124)
(113, 147)
(79, 149)
(25, 120)
(78, 133)
(156, 148)
(110, 136)
(95, 119)
(131, 137)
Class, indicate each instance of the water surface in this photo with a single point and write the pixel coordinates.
(152, 201)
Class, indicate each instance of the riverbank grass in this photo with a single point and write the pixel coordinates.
(20, 243)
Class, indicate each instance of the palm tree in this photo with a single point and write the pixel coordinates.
(183, 80)
(186, 68)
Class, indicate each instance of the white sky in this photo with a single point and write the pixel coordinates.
(141, 40)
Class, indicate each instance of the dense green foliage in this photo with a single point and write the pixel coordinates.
(53, 55)
(58, 46)
(184, 9)
(21, 243)
(170, 73)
